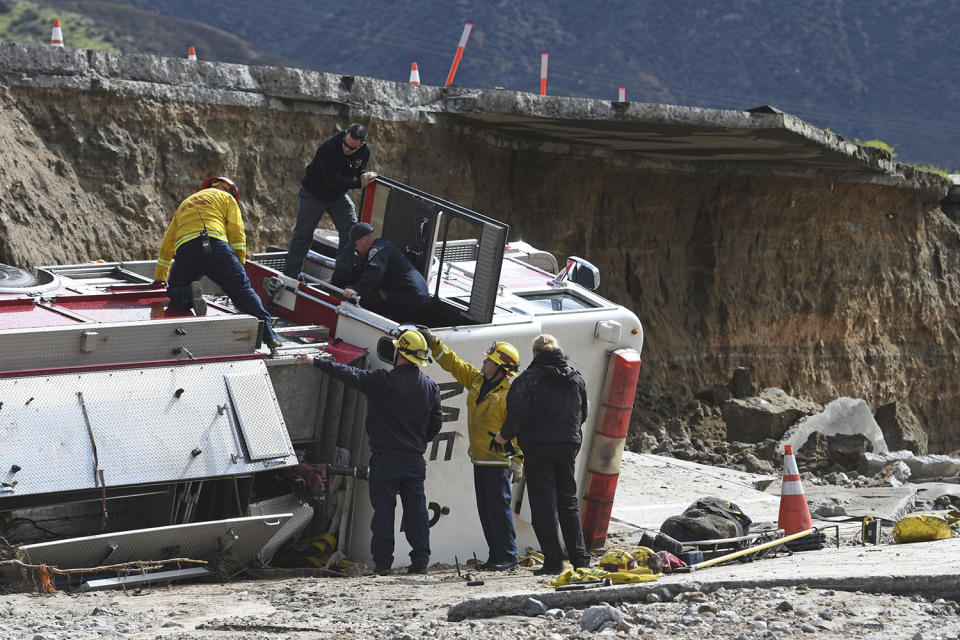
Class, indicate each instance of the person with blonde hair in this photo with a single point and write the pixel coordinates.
(546, 406)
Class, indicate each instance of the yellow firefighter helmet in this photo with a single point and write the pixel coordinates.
(506, 356)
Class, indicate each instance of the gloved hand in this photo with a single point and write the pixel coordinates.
(495, 446)
(506, 449)
(427, 335)
(158, 284)
(516, 470)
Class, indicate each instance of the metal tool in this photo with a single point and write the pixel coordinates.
(586, 584)
(870, 530)
(743, 552)
(471, 582)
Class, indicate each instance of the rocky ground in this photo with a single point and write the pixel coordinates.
(407, 607)
(404, 607)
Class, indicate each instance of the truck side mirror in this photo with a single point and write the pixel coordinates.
(580, 272)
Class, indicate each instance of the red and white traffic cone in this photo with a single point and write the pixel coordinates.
(56, 37)
(794, 512)
(192, 54)
(414, 74)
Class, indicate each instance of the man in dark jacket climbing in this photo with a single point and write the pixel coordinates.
(340, 164)
(546, 406)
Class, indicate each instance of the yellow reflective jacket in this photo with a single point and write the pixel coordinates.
(213, 208)
(484, 417)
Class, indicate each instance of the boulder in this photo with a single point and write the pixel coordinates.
(825, 451)
(597, 615)
(753, 464)
(768, 415)
(893, 475)
(843, 416)
(740, 384)
(901, 428)
(645, 443)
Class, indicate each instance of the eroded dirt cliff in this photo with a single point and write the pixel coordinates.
(823, 287)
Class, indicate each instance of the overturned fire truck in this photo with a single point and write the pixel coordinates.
(131, 434)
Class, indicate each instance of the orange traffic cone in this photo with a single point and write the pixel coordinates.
(414, 74)
(794, 513)
(191, 54)
(56, 38)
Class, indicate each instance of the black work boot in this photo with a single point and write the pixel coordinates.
(196, 298)
(549, 569)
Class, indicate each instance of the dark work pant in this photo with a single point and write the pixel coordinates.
(222, 266)
(492, 486)
(310, 209)
(389, 476)
(552, 488)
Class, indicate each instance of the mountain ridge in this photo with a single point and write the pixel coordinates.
(879, 70)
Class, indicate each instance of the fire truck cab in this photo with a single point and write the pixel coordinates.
(134, 432)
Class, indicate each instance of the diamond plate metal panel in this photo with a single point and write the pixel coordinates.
(57, 347)
(257, 411)
(301, 517)
(241, 538)
(149, 425)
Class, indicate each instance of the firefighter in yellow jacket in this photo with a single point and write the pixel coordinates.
(486, 410)
(206, 238)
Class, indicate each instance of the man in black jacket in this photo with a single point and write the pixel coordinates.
(339, 165)
(403, 415)
(546, 406)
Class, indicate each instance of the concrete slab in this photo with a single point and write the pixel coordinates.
(652, 488)
(889, 503)
(930, 491)
(896, 569)
(929, 467)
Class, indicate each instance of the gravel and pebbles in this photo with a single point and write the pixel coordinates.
(401, 607)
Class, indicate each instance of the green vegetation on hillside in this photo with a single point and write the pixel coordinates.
(878, 144)
(25, 22)
(106, 26)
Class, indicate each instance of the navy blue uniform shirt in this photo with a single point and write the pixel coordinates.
(403, 406)
(386, 268)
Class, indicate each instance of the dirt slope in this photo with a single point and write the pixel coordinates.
(823, 287)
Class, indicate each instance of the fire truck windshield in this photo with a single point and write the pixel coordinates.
(559, 301)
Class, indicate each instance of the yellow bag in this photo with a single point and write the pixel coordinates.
(640, 574)
(923, 528)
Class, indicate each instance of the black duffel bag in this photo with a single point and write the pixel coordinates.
(707, 519)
